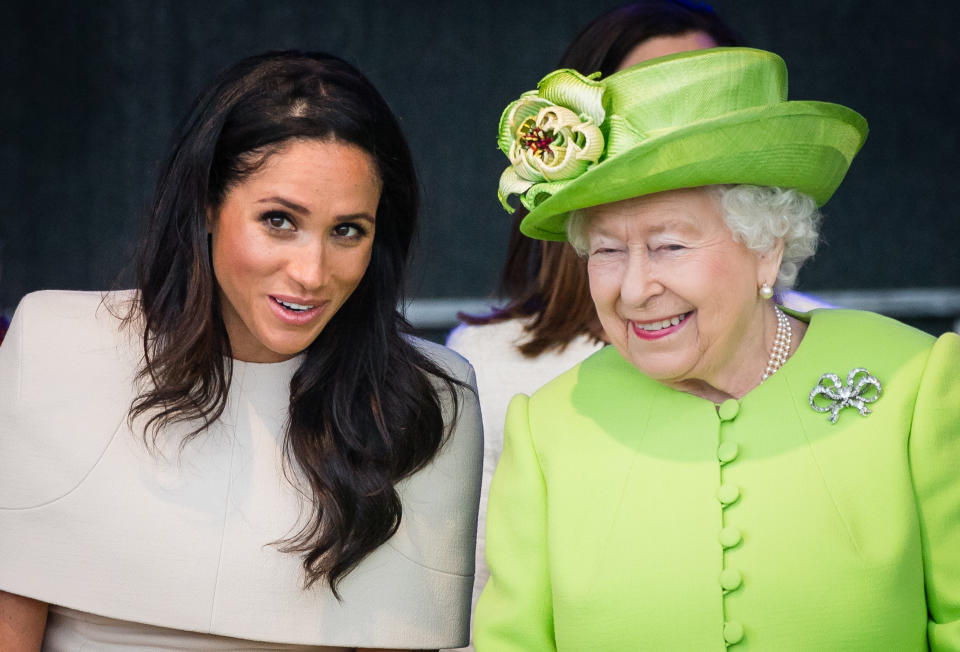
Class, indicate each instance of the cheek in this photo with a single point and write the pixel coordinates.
(351, 265)
(604, 279)
(711, 277)
(726, 289)
(239, 259)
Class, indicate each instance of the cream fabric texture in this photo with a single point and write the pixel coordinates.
(91, 520)
(503, 372)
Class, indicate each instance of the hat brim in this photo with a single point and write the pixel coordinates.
(803, 145)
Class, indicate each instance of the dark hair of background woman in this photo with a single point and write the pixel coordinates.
(546, 282)
(363, 411)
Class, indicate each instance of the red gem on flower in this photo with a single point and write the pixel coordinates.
(538, 141)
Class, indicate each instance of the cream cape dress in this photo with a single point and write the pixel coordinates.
(175, 550)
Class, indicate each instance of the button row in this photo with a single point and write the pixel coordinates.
(727, 494)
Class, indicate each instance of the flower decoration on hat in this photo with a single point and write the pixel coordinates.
(551, 136)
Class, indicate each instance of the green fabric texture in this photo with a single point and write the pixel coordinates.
(681, 121)
(626, 516)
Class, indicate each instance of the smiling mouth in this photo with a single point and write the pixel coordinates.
(655, 326)
(296, 307)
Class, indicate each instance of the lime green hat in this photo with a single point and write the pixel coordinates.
(681, 121)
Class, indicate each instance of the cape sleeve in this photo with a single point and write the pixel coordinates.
(515, 611)
(10, 380)
(934, 460)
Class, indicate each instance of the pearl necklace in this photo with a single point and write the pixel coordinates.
(781, 345)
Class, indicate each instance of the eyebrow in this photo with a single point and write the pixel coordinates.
(296, 208)
(680, 226)
(671, 225)
(303, 210)
(356, 216)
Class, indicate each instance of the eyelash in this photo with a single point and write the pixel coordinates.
(267, 218)
(360, 231)
(608, 250)
(338, 230)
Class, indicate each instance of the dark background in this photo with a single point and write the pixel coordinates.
(93, 90)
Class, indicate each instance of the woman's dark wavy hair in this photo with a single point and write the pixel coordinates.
(546, 282)
(364, 412)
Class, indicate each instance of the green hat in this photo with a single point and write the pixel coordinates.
(681, 121)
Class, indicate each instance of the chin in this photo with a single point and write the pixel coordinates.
(664, 371)
(280, 347)
(289, 349)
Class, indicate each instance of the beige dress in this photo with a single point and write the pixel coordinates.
(503, 372)
(175, 550)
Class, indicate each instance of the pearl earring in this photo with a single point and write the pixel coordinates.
(766, 292)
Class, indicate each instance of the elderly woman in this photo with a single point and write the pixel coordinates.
(727, 473)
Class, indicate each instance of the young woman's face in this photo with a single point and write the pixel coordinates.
(290, 243)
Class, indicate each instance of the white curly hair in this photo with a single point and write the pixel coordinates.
(757, 216)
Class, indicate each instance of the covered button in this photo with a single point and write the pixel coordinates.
(730, 579)
(732, 632)
(728, 451)
(728, 409)
(728, 493)
(729, 537)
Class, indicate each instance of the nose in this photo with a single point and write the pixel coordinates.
(640, 281)
(307, 265)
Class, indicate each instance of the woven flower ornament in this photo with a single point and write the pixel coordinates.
(551, 136)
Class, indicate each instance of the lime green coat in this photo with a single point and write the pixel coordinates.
(628, 516)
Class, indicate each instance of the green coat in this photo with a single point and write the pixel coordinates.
(625, 515)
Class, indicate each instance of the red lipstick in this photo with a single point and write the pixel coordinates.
(659, 333)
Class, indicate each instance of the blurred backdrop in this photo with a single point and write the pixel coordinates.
(93, 90)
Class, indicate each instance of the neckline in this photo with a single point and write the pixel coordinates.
(808, 319)
(263, 367)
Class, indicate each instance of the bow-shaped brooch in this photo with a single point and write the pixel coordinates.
(861, 388)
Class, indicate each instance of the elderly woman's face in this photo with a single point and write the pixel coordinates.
(291, 243)
(676, 295)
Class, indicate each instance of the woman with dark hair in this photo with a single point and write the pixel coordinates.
(549, 322)
(247, 452)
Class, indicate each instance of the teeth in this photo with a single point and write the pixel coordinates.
(660, 325)
(293, 306)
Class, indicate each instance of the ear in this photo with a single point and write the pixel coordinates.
(209, 220)
(768, 264)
